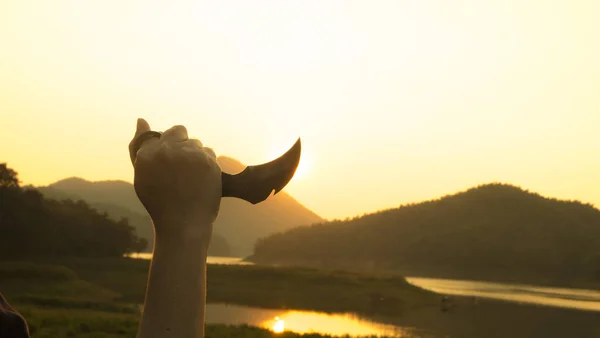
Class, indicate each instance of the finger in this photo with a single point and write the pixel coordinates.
(141, 127)
(193, 144)
(148, 147)
(175, 134)
(193, 148)
(210, 153)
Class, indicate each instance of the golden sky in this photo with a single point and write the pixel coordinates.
(395, 101)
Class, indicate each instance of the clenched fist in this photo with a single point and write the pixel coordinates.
(177, 180)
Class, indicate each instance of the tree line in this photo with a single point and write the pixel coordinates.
(31, 225)
(489, 229)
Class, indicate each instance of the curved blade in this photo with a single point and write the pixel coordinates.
(256, 183)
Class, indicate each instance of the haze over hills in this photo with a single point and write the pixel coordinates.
(236, 229)
(250, 222)
(493, 231)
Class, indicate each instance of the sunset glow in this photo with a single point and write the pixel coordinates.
(395, 101)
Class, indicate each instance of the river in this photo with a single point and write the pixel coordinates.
(580, 299)
(336, 324)
(348, 323)
(209, 260)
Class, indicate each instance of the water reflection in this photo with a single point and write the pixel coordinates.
(559, 297)
(302, 321)
(279, 325)
(209, 260)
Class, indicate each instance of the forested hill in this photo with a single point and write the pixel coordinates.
(491, 229)
(31, 224)
(236, 229)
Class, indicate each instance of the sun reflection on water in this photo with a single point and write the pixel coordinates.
(305, 322)
(332, 324)
(279, 325)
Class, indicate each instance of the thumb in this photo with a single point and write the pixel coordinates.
(142, 127)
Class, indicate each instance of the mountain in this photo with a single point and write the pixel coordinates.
(236, 229)
(140, 221)
(494, 231)
(244, 223)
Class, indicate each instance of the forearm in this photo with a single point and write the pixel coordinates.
(176, 295)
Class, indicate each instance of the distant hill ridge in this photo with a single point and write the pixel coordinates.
(492, 230)
(236, 229)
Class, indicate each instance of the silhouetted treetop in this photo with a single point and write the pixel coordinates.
(8, 177)
(33, 225)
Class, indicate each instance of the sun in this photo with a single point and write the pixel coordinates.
(303, 169)
(304, 166)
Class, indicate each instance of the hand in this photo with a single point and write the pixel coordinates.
(178, 181)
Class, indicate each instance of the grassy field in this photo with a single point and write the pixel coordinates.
(100, 298)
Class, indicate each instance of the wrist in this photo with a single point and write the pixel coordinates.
(183, 229)
(181, 245)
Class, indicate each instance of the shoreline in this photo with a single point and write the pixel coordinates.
(490, 318)
(106, 286)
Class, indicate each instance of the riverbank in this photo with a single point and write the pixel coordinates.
(509, 275)
(65, 297)
(53, 322)
(488, 318)
(251, 285)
